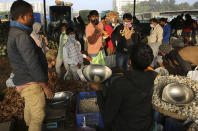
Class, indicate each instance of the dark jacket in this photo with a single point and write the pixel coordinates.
(26, 58)
(120, 43)
(128, 103)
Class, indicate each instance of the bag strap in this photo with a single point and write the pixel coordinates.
(196, 68)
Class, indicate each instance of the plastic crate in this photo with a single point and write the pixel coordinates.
(93, 119)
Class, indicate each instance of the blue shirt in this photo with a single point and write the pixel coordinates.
(166, 33)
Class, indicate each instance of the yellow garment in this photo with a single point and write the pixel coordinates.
(34, 111)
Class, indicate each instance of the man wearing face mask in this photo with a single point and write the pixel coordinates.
(29, 65)
(155, 40)
(94, 32)
(122, 43)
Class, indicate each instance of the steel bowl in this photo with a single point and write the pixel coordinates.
(177, 93)
(96, 73)
(60, 97)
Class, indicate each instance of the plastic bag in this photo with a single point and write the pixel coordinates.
(99, 59)
(193, 75)
(110, 60)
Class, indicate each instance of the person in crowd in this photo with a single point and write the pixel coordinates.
(189, 30)
(135, 20)
(109, 30)
(182, 61)
(29, 65)
(177, 25)
(120, 108)
(123, 37)
(155, 39)
(165, 47)
(112, 19)
(94, 33)
(59, 58)
(72, 52)
(39, 38)
(166, 35)
(80, 25)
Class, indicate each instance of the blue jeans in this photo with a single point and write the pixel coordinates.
(122, 61)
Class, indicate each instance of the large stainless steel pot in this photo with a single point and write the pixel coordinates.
(177, 93)
(96, 73)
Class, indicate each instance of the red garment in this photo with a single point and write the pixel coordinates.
(187, 28)
(109, 31)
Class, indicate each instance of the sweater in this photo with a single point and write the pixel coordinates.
(128, 103)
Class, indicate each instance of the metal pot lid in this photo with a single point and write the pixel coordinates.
(97, 73)
(177, 93)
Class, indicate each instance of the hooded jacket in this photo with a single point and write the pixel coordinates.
(128, 103)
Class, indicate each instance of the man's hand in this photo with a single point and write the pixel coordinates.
(79, 65)
(98, 30)
(49, 94)
(89, 58)
(94, 86)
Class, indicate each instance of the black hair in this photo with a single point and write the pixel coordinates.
(71, 28)
(127, 16)
(188, 16)
(19, 8)
(163, 20)
(103, 18)
(154, 20)
(93, 12)
(141, 56)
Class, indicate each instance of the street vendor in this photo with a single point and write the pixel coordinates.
(127, 105)
(29, 65)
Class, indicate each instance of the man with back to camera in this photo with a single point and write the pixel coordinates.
(29, 65)
(120, 108)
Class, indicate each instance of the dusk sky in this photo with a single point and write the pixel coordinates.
(91, 4)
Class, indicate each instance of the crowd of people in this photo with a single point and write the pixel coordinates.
(127, 104)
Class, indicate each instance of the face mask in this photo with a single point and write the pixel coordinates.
(152, 26)
(127, 24)
(95, 22)
(64, 32)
